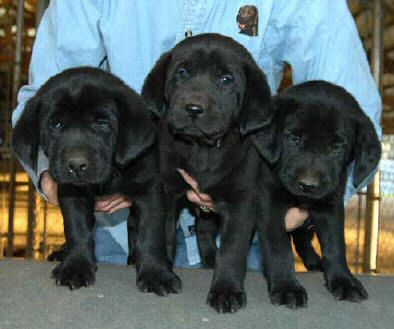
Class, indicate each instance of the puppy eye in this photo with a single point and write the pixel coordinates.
(294, 139)
(56, 126)
(183, 73)
(225, 79)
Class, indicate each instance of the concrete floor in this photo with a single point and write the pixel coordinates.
(29, 299)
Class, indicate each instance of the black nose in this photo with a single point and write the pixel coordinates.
(77, 165)
(307, 187)
(194, 109)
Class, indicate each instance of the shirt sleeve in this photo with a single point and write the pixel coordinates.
(323, 44)
(68, 36)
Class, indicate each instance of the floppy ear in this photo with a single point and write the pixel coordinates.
(26, 134)
(268, 140)
(153, 89)
(137, 127)
(256, 19)
(256, 108)
(367, 150)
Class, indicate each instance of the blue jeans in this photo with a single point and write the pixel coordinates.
(111, 244)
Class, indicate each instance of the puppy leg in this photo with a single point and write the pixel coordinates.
(172, 211)
(302, 239)
(154, 270)
(278, 258)
(78, 267)
(339, 281)
(207, 231)
(227, 294)
(132, 235)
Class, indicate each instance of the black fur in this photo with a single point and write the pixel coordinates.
(214, 97)
(317, 131)
(99, 136)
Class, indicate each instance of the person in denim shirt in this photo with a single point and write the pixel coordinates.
(318, 38)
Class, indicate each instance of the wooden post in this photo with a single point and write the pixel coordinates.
(373, 190)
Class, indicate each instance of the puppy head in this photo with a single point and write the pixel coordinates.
(247, 16)
(208, 85)
(318, 130)
(86, 121)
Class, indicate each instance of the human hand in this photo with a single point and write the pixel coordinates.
(107, 203)
(294, 218)
(195, 195)
(111, 203)
(49, 188)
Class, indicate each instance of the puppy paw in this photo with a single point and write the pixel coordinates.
(160, 282)
(347, 288)
(75, 272)
(289, 293)
(226, 299)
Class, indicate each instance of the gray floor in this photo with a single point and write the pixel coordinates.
(29, 299)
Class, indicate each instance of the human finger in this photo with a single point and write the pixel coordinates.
(121, 205)
(189, 180)
(109, 202)
(195, 198)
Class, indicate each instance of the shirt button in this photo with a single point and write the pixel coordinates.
(188, 33)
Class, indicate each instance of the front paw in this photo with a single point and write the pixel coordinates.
(75, 272)
(289, 293)
(347, 288)
(160, 282)
(226, 299)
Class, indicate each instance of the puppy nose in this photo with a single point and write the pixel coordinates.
(77, 165)
(307, 187)
(194, 109)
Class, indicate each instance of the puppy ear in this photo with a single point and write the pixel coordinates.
(367, 150)
(268, 140)
(137, 127)
(256, 19)
(153, 89)
(26, 134)
(256, 108)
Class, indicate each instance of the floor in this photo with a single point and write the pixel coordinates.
(29, 299)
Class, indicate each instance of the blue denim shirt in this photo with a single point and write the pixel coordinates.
(318, 38)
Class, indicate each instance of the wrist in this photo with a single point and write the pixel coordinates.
(48, 187)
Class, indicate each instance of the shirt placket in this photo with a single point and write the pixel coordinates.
(193, 14)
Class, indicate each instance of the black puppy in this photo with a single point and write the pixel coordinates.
(99, 136)
(318, 130)
(214, 97)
